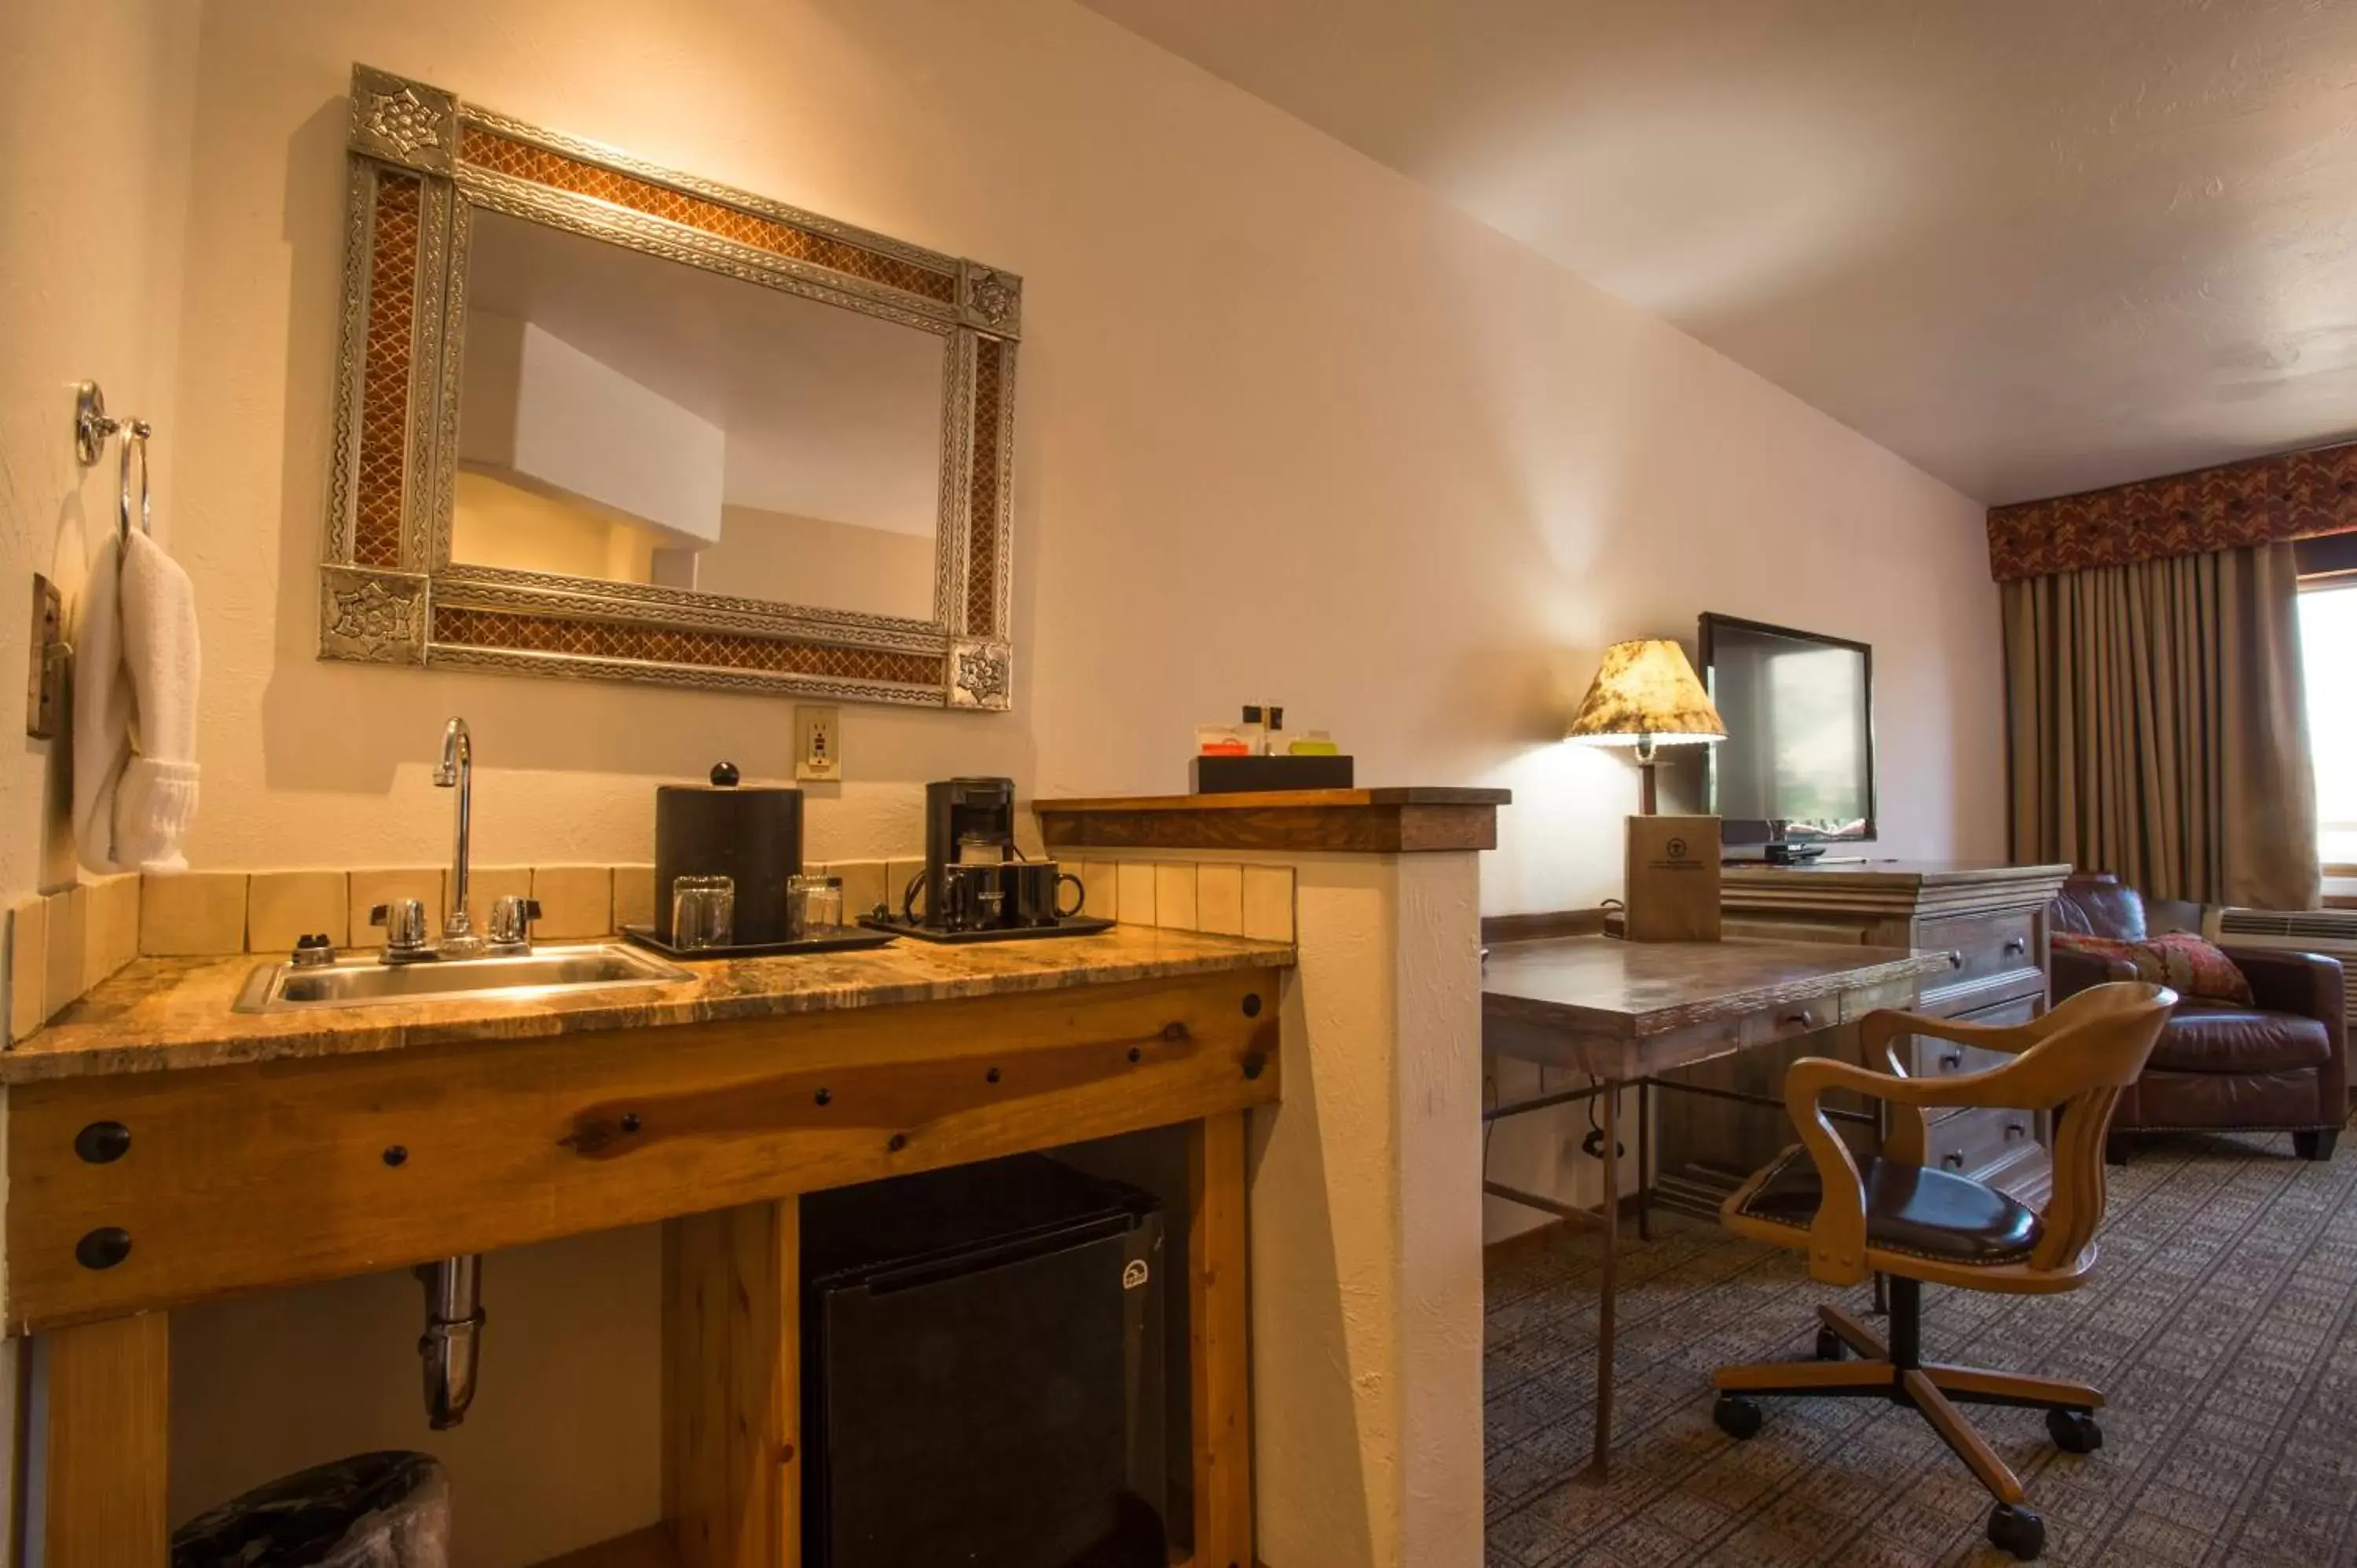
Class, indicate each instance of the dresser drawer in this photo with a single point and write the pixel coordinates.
(1972, 1141)
(1982, 948)
(1945, 1059)
(1936, 1058)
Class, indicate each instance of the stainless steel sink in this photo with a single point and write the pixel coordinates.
(362, 981)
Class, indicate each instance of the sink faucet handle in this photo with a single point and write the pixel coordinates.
(403, 921)
(512, 918)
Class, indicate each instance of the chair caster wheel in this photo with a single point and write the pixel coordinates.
(1738, 1417)
(2075, 1430)
(2015, 1529)
(1831, 1347)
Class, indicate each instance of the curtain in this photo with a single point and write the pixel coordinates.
(2157, 727)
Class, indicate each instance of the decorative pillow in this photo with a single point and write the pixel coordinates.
(2181, 960)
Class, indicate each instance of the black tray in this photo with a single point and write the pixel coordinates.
(1070, 926)
(843, 938)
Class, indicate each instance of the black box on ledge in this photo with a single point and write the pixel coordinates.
(1236, 775)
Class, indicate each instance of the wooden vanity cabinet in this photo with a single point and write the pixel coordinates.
(1990, 921)
(234, 1178)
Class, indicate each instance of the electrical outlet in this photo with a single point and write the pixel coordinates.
(818, 752)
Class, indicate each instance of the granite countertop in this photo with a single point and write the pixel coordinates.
(164, 1014)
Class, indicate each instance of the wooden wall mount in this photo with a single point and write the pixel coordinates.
(1356, 822)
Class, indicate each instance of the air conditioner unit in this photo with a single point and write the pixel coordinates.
(2332, 932)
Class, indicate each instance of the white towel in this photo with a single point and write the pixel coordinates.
(135, 665)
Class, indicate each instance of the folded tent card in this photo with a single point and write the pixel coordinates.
(1673, 880)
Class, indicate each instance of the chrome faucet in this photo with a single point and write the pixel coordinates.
(404, 919)
(457, 772)
(454, 1313)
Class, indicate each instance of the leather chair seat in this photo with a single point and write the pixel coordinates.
(2220, 1036)
(1924, 1213)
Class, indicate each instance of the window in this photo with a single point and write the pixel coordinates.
(2328, 638)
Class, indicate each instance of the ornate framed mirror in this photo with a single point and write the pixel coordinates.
(600, 419)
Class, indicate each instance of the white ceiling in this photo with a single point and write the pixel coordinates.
(2034, 246)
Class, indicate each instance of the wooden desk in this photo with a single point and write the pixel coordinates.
(1624, 1011)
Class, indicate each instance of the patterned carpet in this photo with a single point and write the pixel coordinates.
(2220, 1320)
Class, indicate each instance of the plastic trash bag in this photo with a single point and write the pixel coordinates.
(388, 1509)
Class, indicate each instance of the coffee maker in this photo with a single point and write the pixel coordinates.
(976, 886)
(968, 821)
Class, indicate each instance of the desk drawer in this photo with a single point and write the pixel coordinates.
(1789, 1022)
(1972, 1141)
(1980, 949)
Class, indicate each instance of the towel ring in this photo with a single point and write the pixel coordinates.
(134, 438)
(92, 426)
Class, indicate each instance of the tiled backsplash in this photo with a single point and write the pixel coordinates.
(58, 945)
(1191, 896)
(211, 912)
(61, 944)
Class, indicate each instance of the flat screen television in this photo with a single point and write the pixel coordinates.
(1797, 765)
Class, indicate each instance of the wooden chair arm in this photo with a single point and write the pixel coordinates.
(1880, 1029)
(1905, 1132)
(1838, 1235)
(2026, 1083)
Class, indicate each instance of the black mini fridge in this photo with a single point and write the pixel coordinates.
(983, 1364)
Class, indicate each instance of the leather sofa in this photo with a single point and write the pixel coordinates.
(2278, 1066)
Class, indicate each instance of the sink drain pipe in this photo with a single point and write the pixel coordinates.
(452, 1340)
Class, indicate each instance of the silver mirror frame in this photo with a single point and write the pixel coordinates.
(421, 165)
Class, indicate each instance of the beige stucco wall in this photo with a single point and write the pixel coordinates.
(1367, 1224)
(95, 106)
(1289, 429)
(94, 100)
(1366, 1216)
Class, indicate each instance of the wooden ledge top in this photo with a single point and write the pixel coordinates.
(1353, 822)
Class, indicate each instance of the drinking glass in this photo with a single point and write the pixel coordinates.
(813, 905)
(702, 912)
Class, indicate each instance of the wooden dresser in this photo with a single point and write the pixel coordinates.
(1990, 920)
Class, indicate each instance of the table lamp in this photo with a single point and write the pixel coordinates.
(1647, 696)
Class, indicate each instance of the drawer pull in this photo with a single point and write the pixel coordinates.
(103, 1142)
(2014, 1130)
(1797, 1020)
(2017, 946)
(1951, 1060)
(1955, 957)
(1953, 1159)
(103, 1247)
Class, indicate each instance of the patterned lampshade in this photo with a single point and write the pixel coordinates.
(1646, 696)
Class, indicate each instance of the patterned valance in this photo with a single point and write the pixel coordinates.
(2294, 495)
